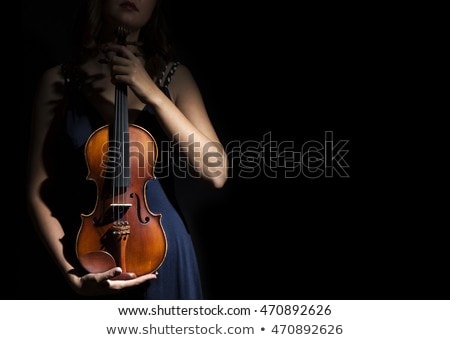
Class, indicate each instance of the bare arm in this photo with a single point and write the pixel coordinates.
(46, 108)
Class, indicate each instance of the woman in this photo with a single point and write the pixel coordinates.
(74, 99)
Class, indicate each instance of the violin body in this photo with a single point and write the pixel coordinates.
(121, 230)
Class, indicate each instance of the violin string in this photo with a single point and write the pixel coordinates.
(122, 33)
(122, 147)
(115, 179)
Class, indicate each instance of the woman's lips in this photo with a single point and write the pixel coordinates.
(129, 6)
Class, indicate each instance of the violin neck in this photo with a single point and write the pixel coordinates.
(121, 137)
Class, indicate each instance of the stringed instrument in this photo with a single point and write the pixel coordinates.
(121, 230)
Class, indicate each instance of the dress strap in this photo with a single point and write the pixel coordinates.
(167, 75)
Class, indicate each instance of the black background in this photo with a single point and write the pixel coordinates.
(296, 72)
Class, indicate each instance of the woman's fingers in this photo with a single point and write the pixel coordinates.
(111, 281)
(118, 50)
(128, 283)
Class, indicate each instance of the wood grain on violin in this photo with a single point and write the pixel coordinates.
(121, 230)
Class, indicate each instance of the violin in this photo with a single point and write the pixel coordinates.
(121, 230)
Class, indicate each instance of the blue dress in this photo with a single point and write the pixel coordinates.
(178, 276)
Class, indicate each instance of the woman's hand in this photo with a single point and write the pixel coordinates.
(112, 281)
(128, 68)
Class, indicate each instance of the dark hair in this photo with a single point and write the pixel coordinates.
(157, 47)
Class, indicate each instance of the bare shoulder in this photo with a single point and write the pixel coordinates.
(183, 71)
(183, 82)
(49, 91)
(51, 83)
(182, 76)
(52, 75)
